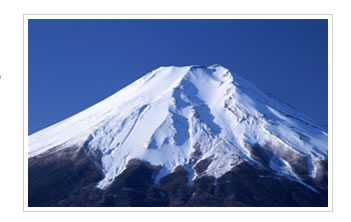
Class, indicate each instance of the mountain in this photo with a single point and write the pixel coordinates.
(182, 136)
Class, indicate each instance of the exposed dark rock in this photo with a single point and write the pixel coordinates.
(201, 166)
(298, 162)
(134, 187)
(196, 154)
(259, 154)
(70, 179)
(203, 193)
(321, 180)
(248, 185)
(65, 180)
(175, 185)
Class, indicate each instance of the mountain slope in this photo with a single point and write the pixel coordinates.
(202, 119)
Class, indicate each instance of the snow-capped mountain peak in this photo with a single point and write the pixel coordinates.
(190, 116)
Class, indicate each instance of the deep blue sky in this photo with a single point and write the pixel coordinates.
(74, 64)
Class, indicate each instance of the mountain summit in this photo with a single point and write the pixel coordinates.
(202, 121)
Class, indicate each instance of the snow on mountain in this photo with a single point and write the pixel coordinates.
(182, 115)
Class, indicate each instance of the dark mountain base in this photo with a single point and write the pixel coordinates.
(68, 178)
(65, 178)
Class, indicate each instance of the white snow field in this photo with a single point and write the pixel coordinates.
(181, 115)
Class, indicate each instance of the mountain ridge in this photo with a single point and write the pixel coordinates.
(184, 116)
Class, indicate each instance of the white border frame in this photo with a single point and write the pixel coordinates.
(329, 17)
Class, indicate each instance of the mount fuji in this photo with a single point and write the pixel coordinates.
(182, 136)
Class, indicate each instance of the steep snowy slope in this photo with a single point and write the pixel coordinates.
(183, 116)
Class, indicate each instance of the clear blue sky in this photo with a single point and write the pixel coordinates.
(74, 64)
